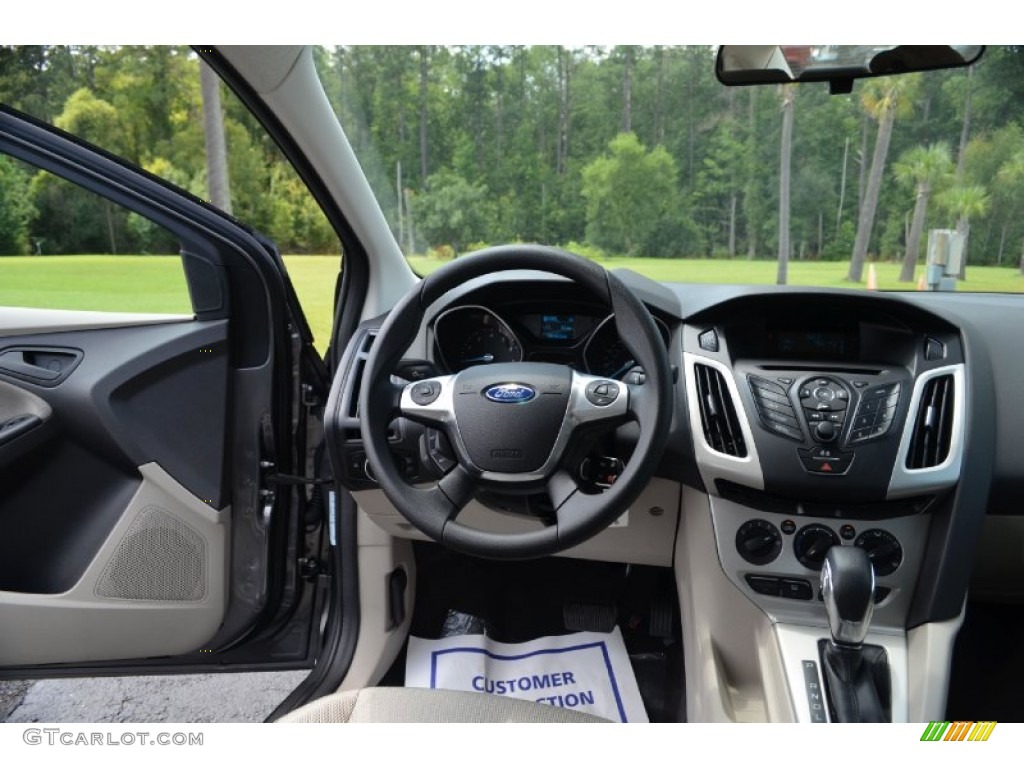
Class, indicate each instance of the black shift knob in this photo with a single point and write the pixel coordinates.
(847, 588)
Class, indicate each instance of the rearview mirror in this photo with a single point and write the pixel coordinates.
(840, 65)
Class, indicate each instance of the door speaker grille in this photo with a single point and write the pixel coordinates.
(159, 558)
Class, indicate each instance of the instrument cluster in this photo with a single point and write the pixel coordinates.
(581, 336)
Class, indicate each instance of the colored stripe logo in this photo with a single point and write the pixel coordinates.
(959, 731)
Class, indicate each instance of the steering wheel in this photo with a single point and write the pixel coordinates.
(511, 424)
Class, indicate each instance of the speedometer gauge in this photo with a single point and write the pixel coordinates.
(472, 335)
(488, 344)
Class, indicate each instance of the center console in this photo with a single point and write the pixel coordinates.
(838, 427)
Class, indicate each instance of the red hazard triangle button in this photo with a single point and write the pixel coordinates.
(826, 467)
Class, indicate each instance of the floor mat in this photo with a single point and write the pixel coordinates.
(514, 602)
(987, 674)
(585, 671)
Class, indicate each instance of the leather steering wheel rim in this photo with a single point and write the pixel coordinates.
(579, 516)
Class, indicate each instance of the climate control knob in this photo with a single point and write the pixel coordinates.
(884, 550)
(758, 542)
(811, 543)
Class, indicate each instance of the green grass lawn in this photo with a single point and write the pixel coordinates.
(157, 283)
(830, 274)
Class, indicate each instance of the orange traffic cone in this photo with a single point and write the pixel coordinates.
(872, 278)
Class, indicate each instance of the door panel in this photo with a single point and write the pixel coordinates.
(113, 508)
(156, 587)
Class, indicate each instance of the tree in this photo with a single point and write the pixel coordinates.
(785, 157)
(1011, 175)
(963, 202)
(217, 179)
(15, 208)
(629, 192)
(97, 121)
(883, 99)
(452, 211)
(424, 71)
(924, 167)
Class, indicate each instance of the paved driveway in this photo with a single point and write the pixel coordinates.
(229, 698)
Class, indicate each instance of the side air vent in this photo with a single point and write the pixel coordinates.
(717, 413)
(933, 425)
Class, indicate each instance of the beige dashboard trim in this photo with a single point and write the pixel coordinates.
(646, 538)
(22, 321)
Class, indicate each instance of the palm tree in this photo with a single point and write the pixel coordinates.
(924, 167)
(1010, 175)
(963, 202)
(883, 100)
(784, 167)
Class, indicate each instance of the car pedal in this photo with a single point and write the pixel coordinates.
(589, 617)
(662, 614)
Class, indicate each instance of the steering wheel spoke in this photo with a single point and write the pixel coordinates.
(561, 486)
(595, 399)
(458, 487)
(429, 401)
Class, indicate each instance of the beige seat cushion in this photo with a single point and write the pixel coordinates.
(424, 705)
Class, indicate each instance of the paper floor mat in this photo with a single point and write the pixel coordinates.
(586, 671)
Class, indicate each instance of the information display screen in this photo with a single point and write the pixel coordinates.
(558, 327)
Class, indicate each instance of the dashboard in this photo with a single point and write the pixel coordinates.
(808, 417)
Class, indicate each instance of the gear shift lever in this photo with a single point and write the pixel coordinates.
(856, 675)
(847, 587)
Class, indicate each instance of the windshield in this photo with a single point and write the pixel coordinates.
(637, 157)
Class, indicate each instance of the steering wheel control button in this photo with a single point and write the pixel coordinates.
(758, 542)
(708, 340)
(811, 543)
(425, 392)
(602, 393)
(775, 408)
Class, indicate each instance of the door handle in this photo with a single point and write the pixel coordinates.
(17, 426)
(45, 366)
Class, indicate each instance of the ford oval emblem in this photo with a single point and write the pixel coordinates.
(510, 393)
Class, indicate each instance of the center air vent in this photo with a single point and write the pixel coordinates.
(717, 413)
(933, 425)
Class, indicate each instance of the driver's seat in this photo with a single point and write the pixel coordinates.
(426, 705)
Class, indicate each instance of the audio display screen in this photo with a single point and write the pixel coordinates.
(814, 345)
